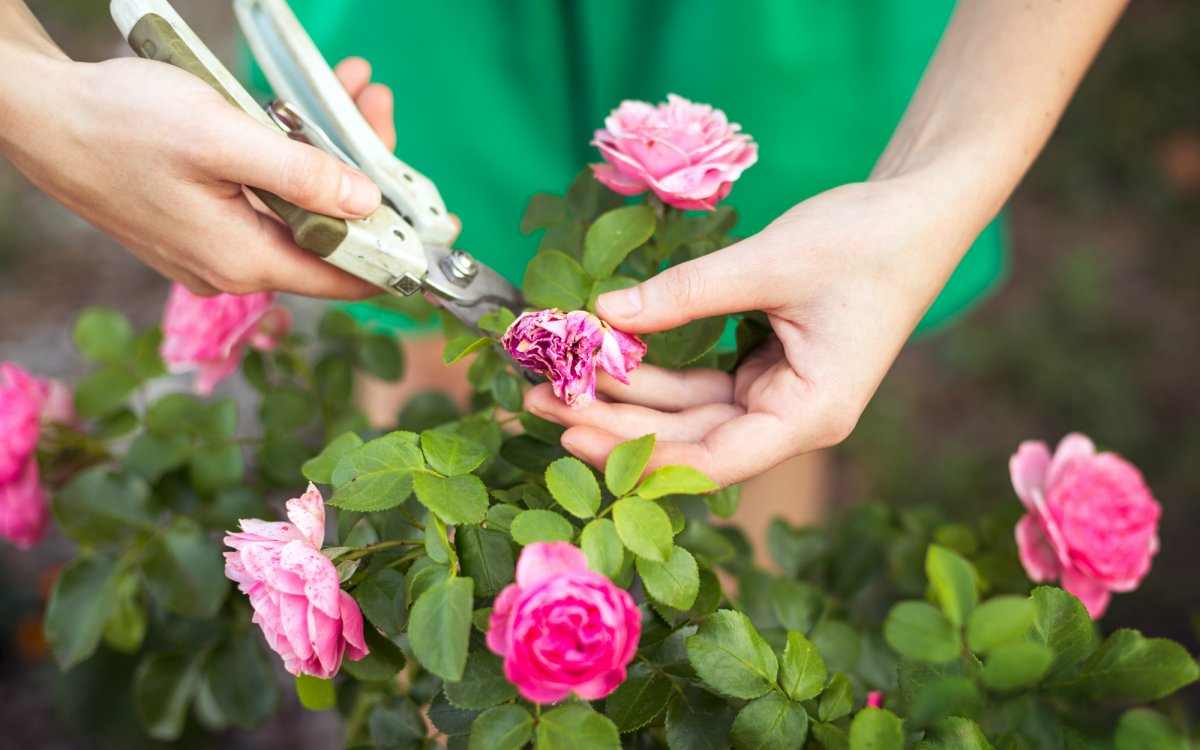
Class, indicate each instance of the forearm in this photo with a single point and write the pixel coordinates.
(31, 63)
(992, 94)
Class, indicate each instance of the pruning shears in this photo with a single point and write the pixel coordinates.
(404, 247)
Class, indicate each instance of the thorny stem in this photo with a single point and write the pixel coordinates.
(379, 546)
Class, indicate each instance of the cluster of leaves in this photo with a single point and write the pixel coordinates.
(150, 487)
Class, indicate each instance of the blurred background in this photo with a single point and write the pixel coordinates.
(1096, 329)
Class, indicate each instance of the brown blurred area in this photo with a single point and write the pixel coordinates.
(1097, 329)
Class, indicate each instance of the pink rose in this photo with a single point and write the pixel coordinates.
(210, 334)
(1092, 521)
(21, 398)
(294, 589)
(567, 347)
(688, 154)
(24, 512)
(562, 628)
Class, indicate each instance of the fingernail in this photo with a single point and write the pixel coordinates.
(359, 196)
(621, 304)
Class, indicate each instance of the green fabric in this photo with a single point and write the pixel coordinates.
(498, 99)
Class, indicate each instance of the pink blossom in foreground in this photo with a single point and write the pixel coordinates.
(567, 347)
(209, 335)
(1092, 522)
(24, 511)
(875, 699)
(298, 602)
(563, 628)
(26, 403)
(688, 154)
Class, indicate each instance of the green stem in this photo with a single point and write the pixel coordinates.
(412, 520)
(377, 547)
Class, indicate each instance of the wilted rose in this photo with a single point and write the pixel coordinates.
(563, 628)
(294, 589)
(209, 335)
(567, 347)
(1092, 522)
(688, 154)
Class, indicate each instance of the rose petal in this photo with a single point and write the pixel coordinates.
(542, 560)
(1027, 468)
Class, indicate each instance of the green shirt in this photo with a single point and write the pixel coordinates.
(498, 99)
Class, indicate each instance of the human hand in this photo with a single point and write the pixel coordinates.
(844, 278)
(155, 158)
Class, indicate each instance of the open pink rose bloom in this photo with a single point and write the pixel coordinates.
(688, 154)
(563, 628)
(209, 335)
(1092, 522)
(567, 348)
(26, 403)
(294, 589)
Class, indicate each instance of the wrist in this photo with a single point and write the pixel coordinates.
(34, 90)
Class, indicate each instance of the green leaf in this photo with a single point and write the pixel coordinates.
(837, 700)
(315, 694)
(675, 480)
(724, 502)
(104, 336)
(555, 280)
(151, 455)
(377, 475)
(381, 664)
(500, 517)
(241, 678)
(610, 284)
(587, 197)
(285, 408)
(451, 720)
(531, 526)
(126, 629)
(838, 643)
(116, 425)
(1128, 665)
(945, 695)
(185, 571)
(794, 550)
(396, 724)
(684, 345)
(541, 429)
(543, 210)
(501, 728)
(102, 505)
(486, 557)
(483, 684)
(626, 464)
(876, 729)
(796, 605)
(830, 736)
(103, 392)
(644, 528)
(953, 581)
(1016, 665)
(163, 685)
(771, 722)
(801, 671)
(917, 630)
(451, 454)
(1146, 729)
(1062, 623)
(461, 346)
(440, 626)
(731, 657)
(639, 699)
(602, 545)
(280, 457)
(675, 582)
(574, 486)
(958, 733)
(998, 621)
(437, 542)
(497, 322)
(427, 410)
(380, 596)
(613, 236)
(456, 500)
(698, 720)
(379, 354)
(576, 726)
(217, 467)
(320, 468)
(508, 390)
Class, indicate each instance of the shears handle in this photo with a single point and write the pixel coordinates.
(155, 31)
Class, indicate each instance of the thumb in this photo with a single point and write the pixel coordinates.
(257, 157)
(726, 281)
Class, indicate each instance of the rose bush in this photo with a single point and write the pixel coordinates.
(482, 589)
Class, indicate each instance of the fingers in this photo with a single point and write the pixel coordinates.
(735, 451)
(727, 281)
(300, 272)
(629, 419)
(242, 151)
(377, 105)
(354, 73)
(669, 390)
